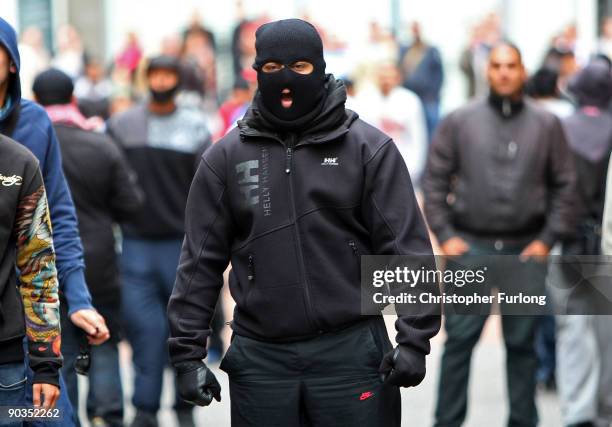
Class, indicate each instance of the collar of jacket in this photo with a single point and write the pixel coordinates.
(247, 132)
(332, 122)
(506, 107)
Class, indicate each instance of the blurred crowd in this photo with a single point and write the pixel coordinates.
(394, 85)
(380, 74)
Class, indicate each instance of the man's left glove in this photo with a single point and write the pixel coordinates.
(196, 383)
(403, 367)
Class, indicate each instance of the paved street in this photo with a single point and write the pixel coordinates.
(487, 390)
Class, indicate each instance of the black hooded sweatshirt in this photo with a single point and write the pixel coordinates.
(29, 303)
(293, 213)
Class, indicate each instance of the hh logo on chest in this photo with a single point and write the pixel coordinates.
(330, 161)
(253, 180)
(248, 180)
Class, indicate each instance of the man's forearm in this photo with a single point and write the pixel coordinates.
(39, 286)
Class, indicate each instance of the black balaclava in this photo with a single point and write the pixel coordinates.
(169, 63)
(286, 42)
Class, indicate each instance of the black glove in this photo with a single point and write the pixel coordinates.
(403, 367)
(196, 383)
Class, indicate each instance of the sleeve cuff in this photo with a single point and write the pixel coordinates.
(413, 353)
(76, 292)
(46, 374)
(188, 366)
(548, 238)
(445, 234)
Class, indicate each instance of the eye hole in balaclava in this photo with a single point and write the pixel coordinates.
(289, 42)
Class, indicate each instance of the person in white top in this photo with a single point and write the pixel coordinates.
(398, 112)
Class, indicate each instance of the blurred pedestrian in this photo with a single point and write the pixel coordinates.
(474, 59)
(199, 48)
(236, 105)
(27, 123)
(192, 89)
(350, 90)
(544, 89)
(381, 46)
(398, 112)
(28, 285)
(292, 197)
(34, 58)
(487, 154)
(104, 193)
(584, 340)
(605, 41)
(130, 55)
(563, 61)
(163, 143)
(423, 74)
(70, 55)
(604, 324)
(93, 90)
(243, 45)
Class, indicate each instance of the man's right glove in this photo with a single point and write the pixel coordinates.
(196, 383)
(403, 367)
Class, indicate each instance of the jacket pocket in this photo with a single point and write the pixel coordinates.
(251, 268)
(250, 278)
(269, 261)
(240, 290)
(226, 362)
(374, 349)
(12, 376)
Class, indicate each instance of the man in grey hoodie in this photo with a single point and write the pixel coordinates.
(584, 340)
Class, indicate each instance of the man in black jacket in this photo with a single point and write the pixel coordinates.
(105, 192)
(292, 197)
(507, 165)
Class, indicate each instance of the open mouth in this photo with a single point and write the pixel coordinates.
(286, 98)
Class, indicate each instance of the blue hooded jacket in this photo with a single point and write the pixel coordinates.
(34, 130)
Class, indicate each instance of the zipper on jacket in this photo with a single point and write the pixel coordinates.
(356, 254)
(309, 310)
(288, 160)
(354, 247)
(251, 267)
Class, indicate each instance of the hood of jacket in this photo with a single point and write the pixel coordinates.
(589, 134)
(592, 86)
(333, 120)
(8, 40)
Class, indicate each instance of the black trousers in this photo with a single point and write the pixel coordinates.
(330, 380)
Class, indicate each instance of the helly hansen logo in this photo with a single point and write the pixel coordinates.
(248, 180)
(330, 161)
(265, 193)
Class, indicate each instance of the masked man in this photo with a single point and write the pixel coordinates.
(292, 197)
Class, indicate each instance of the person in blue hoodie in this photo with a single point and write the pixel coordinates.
(27, 123)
